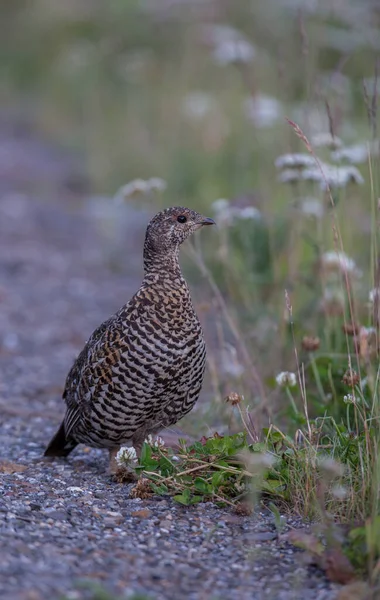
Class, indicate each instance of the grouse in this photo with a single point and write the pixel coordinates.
(141, 370)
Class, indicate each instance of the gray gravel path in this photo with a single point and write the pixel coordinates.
(67, 521)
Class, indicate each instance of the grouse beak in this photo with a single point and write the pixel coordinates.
(208, 221)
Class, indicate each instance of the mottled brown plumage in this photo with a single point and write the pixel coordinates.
(142, 369)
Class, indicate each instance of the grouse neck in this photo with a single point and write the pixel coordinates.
(162, 262)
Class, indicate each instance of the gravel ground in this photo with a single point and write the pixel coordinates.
(66, 521)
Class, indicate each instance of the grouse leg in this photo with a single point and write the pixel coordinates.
(113, 466)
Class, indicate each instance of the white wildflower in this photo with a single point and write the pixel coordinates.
(156, 184)
(234, 51)
(333, 300)
(260, 459)
(358, 153)
(294, 161)
(314, 174)
(140, 187)
(338, 260)
(286, 379)
(240, 487)
(308, 170)
(198, 105)
(134, 188)
(325, 139)
(289, 175)
(334, 82)
(126, 455)
(263, 111)
(349, 399)
(230, 364)
(312, 207)
(333, 294)
(155, 442)
(220, 206)
(367, 331)
(372, 84)
(225, 213)
(331, 466)
(339, 492)
(249, 212)
(338, 177)
(217, 33)
(374, 295)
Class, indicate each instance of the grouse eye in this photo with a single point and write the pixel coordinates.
(181, 219)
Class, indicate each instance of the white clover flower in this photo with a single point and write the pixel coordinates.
(264, 111)
(325, 139)
(312, 207)
(294, 161)
(338, 260)
(234, 51)
(126, 456)
(240, 487)
(155, 442)
(349, 399)
(286, 379)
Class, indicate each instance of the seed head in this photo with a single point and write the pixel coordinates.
(367, 342)
(234, 398)
(244, 509)
(310, 343)
(351, 328)
(351, 378)
(142, 489)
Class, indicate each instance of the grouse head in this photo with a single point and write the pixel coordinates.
(169, 228)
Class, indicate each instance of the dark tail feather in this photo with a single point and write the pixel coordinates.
(59, 445)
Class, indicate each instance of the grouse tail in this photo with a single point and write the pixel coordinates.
(59, 445)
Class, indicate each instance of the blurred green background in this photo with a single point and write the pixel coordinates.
(197, 92)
